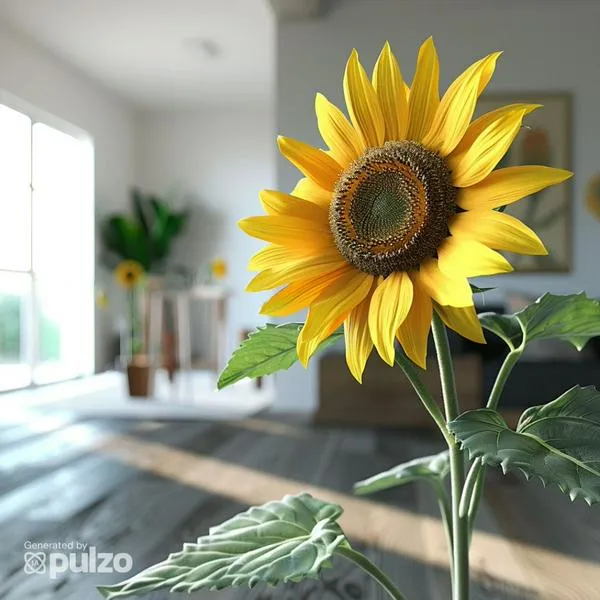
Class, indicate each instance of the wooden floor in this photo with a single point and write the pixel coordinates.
(146, 487)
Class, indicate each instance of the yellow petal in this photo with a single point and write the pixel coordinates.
(363, 105)
(287, 231)
(497, 230)
(389, 306)
(389, 86)
(278, 203)
(468, 258)
(455, 111)
(476, 161)
(424, 96)
(302, 269)
(331, 309)
(414, 331)
(313, 162)
(279, 257)
(358, 339)
(309, 190)
(443, 289)
(505, 186)
(300, 294)
(337, 133)
(477, 127)
(462, 320)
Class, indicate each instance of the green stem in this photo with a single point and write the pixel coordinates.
(135, 318)
(505, 370)
(375, 572)
(446, 511)
(476, 474)
(475, 499)
(460, 530)
(470, 485)
(426, 398)
(434, 410)
(131, 299)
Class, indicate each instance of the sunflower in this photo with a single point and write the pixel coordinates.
(129, 273)
(388, 224)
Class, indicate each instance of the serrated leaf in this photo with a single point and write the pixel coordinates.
(433, 469)
(505, 327)
(559, 442)
(268, 349)
(288, 540)
(574, 318)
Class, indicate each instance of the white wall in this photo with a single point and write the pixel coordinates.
(216, 160)
(549, 45)
(36, 77)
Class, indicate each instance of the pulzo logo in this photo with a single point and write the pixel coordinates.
(44, 558)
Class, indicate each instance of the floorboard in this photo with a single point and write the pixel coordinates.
(104, 482)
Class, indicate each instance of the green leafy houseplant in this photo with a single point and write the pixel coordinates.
(381, 236)
(145, 236)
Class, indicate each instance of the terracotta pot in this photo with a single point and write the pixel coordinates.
(140, 379)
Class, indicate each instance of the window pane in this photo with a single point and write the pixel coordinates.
(15, 191)
(63, 254)
(62, 205)
(15, 330)
(64, 330)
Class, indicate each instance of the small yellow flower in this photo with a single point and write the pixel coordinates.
(102, 299)
(389, 222)
(129, 273)
(218, 268)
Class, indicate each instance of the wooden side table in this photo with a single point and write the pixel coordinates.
(216, 297)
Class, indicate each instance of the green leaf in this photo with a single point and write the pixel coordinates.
(480, 290)
(139, 206)
(505, 327)
(267, 350)
(433, 469)
(558, 442)
(574, 318)
(289, 540)
(124, 237)
(145, 236)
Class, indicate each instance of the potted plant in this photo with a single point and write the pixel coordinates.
(130, 276)
(143, 237)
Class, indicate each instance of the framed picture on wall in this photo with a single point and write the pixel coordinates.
(545, 139)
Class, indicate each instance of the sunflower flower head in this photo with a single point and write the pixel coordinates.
(129, 274)
(387, 224)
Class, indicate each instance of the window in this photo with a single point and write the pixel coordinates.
(46, 251)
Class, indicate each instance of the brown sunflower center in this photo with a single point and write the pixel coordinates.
(391, 208)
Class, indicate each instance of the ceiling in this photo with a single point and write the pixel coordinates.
(159, 53)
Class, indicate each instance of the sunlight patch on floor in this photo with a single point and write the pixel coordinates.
(271, 428)
(553, 575)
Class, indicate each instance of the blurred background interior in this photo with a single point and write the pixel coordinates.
(134, 134)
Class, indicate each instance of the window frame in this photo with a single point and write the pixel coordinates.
(31, 355)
